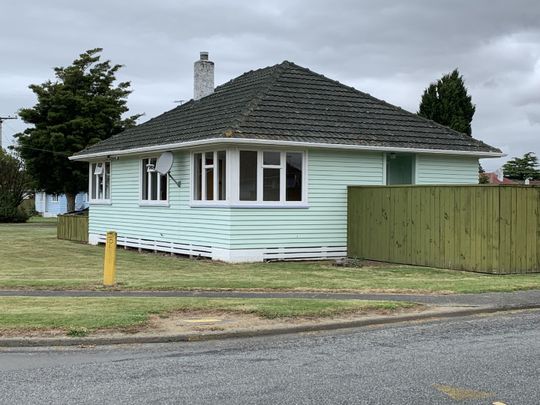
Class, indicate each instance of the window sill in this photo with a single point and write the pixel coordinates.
(199, 204)
(100, 202)
(154, 204)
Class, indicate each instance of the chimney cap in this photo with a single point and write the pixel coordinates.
(204, 55)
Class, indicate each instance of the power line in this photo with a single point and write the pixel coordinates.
(44, 150)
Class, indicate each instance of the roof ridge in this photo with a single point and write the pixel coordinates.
(258, 97)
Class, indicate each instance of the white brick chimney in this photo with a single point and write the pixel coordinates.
(203, 84)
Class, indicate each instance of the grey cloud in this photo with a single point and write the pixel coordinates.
(391, 49)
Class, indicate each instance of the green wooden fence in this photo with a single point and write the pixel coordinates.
(72, 227)
(491, 229)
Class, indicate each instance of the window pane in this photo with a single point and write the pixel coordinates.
(93, 184)
(163, 187)
(209, 158)
(197, 181)
(399, 169)
(222, 180)
(153, 186)
(209, 173)
(107, 180)
(100, 187)
(271, 184)
(144, 180)
(248, 176)
(294, 177)
(272, 158)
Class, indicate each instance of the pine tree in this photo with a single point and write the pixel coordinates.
(448, 103)
(81, 107)
(522, 168)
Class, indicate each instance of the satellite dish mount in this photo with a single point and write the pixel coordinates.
(164, 164)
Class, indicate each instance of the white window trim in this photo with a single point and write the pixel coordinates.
(99, 201)
(54, 198)
(203, 202)
(233, 176)
(152, 203)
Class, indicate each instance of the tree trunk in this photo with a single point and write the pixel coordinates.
(70, 197)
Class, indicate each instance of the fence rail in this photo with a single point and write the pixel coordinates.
(72, 227)
(490, 229)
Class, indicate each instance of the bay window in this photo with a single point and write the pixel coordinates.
(154, 186)
(100, 182)
(258, 178)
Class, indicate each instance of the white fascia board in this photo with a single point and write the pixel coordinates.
(263, 142)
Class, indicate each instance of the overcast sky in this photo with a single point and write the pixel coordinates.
(390, 49)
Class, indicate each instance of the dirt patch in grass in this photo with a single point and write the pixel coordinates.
(214, 322)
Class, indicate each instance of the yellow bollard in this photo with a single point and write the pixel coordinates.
(109, 265)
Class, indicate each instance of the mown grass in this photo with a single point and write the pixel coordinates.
(32, 257)
(79, 314)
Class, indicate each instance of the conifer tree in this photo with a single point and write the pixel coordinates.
(81, 107)
(448, 103)
(522, 168)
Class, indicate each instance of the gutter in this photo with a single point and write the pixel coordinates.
(267, 142)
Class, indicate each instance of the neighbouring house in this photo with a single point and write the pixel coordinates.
(261, 166)
(52, 205)
(498, 178)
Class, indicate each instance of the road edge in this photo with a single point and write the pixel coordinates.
(383, 320)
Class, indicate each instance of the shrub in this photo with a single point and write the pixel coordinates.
(14, 183)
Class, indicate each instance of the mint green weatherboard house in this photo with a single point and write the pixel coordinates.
(261, 166)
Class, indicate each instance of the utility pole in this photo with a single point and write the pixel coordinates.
(1, 121)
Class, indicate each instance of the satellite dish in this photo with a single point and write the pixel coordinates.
(164, 163)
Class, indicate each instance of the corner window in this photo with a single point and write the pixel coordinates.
(210, 176)
(248, 176)
(154, 186)
(271, 176)
(100, 181)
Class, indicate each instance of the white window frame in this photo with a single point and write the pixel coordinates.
(54, 198)
(92, 178)
(203, 201)
(233, 180)
(152, 203)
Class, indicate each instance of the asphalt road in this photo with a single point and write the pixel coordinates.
(480, 360)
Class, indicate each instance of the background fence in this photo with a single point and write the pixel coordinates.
(492, 229)
(72, 227)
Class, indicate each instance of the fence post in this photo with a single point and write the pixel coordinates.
(109, 266)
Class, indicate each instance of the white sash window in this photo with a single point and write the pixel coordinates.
(100, 182)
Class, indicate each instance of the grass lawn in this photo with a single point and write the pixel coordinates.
(25, 313)
(32, 257)
(42, 220)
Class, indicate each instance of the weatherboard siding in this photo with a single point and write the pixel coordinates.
(440, 169)
(324, 223)
(174, 223)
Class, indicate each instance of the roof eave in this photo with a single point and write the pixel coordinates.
(270, 142)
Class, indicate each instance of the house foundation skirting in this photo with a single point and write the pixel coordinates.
(226, 255)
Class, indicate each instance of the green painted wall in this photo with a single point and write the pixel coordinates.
(177, 223)
(324, 223)
(440, 169)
